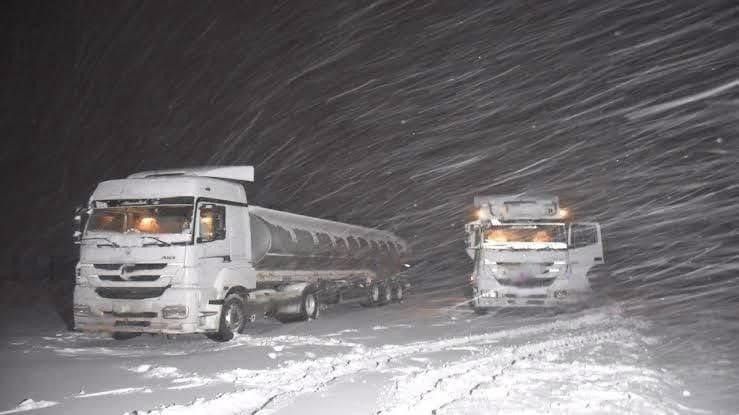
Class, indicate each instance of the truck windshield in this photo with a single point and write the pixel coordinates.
(159, 219)
(552, 236)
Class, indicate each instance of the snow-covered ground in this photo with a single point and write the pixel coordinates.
(427, 355)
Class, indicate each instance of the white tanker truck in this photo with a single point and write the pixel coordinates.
(181, 251)
(527, 253)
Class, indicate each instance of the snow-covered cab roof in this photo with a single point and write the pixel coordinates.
(519, 207)
(237, 173)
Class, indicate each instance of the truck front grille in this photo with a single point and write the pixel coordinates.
(526, 283)
(130, 293)
(136, 278)
(145, 314)
(126, 323)
(130, 267)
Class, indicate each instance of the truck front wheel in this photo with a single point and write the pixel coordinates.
(233, 319)
(308, 305)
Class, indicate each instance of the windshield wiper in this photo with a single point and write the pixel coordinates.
(161, 242)
(109, 242)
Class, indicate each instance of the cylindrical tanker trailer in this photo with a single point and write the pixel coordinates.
(181, 251)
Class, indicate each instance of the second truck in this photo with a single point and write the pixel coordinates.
(526, 252)
(181, 251)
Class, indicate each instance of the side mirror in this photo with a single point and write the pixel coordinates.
(80, 216)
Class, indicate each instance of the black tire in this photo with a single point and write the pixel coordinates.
(123, 335)
(309, 305)
(387, 294)
(374, 294)
(233, 319)
(399, 292)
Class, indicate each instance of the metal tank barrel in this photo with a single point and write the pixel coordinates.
(283, 241)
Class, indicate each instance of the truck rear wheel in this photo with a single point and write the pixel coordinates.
(233, 319)
(387, 294)
(373, 296)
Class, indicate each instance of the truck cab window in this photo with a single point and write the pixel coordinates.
(212, 223)
(583, 235)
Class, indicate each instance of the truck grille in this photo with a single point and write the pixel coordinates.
(130, 267)
(130, 293)
(145, 314)
(126, 323)
(526, 283)
(136, 278)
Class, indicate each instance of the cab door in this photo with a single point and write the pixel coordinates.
(211, 236)
(585, 247)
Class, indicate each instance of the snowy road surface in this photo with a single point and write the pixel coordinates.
(423, 356)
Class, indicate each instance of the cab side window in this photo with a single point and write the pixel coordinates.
(212, 223)
(584, 235)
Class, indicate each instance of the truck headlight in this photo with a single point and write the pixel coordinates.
(81, 310)
(560, 294)
(174, 311)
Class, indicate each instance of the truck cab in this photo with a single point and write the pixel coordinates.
(159, 251)
(526, 253)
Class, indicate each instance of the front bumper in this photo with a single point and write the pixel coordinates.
(510, 297)
(145, 315)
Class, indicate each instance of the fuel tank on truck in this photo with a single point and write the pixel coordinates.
(282, 241)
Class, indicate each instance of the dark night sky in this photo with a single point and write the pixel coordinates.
(392, 114)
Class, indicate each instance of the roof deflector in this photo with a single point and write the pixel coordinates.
(238, 173)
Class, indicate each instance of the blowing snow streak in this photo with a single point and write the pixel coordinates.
(390, 116)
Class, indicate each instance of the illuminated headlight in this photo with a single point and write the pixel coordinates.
(174, 311)
(489, 294)
(81, 310)
(553, 270)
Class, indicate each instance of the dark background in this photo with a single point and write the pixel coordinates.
(389, 114)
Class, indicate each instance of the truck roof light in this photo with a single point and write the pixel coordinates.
(481, 214)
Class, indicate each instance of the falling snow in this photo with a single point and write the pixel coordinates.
(390, 115)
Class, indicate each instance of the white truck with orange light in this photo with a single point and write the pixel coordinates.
(181, 251)
(527, 253)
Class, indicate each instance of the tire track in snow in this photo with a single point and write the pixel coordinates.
(435, 398)
(545, 377)
(266, 390)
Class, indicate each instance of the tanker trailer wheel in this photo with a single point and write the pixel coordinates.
(373, 296)
(233, 319)
(387, 294)
(308, 305)
(399, 292)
